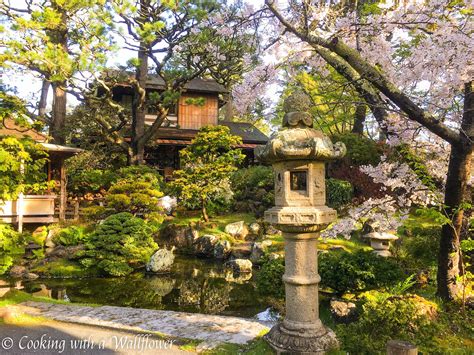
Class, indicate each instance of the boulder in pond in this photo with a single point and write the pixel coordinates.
(181, 237)
(204, 246)
(240, 265)
(237, 230)
(161, 261)
(222, 250)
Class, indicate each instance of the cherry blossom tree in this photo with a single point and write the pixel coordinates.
(412, 63)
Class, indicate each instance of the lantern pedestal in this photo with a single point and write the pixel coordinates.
(302, 331)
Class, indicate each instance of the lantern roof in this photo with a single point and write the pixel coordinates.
(299, 140)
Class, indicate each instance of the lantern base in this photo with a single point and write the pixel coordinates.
(305, 340)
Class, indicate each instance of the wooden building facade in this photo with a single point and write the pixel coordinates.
(198, 106)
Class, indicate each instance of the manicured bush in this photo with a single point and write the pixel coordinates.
(384, 317)
(119, 245)
(269, 279)
(11, 247)
(253, 189)
(73, 235)
(338, 192)
(136, 197)
(359, 271)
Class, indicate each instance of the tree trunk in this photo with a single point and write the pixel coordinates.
(229, 108)
(359, 119)
(43, 98)
(139, 108)
(59, 37)
(459, 173)
(204, 211)
(59, 113)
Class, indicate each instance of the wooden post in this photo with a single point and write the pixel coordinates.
(62, 193)
(399, 347)
(19, 211)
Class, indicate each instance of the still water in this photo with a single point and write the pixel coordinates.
(194, 285)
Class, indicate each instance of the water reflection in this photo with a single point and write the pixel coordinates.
(193, 286)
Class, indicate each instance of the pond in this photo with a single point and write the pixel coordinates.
(194, 285)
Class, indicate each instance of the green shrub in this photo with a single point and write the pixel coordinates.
(93, 181)
(269, 279)
(253, 189)
(338, 192)
(360, 149)
(384, 317)
(137, 197)
(73, 235)
(11, 247)
(359, 271)
(94, 212)
(119, 245)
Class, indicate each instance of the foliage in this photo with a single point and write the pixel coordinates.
(417, 163)
(73, 235)
(207, 164)
(384, 317)
(86, 182)
(119, 245)
(94, 212)
(137, 197)
(338, 192)
(269, 279)
(253, 189)
(22, 163)
(361, 150)
(354, 272)
(11, 246)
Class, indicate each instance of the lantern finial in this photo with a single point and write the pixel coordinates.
(296, 107)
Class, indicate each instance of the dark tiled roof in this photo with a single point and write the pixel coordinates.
(197, 84)
(247, 131)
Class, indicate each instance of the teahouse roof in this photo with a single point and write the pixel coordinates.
(10, 128)
(251, 135)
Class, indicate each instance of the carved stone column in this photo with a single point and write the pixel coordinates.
(297, 155)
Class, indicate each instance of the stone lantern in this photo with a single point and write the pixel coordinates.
(298, 155)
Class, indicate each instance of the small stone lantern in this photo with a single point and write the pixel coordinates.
(380, 242)
(298, 155)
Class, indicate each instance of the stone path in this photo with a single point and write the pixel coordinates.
(216, 329)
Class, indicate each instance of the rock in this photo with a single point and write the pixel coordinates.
(49, 239)
(271, 230)
(254, 228)
(237, 230)
(161, 261)
(258, 250)
(222, 250)
(335, 247)
(17, 271)
(240, 265)
(242, 250)
(181, 237)
(204, 246)
(343, 312)
(30, 276)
